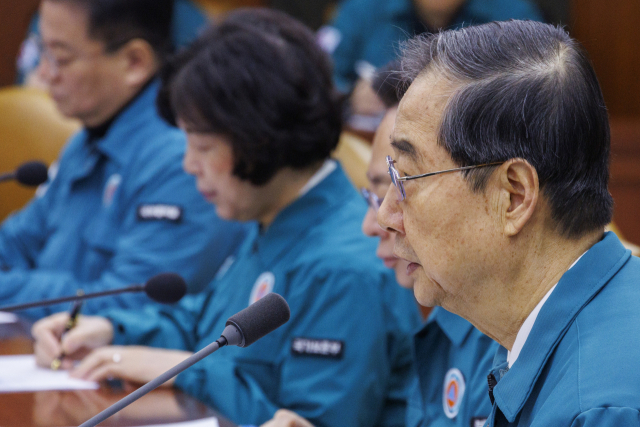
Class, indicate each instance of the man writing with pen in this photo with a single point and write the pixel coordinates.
(73, 319)
(117, 201)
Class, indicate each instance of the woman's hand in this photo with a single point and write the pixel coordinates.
(51, 341)
(136, 364)
(286, 418)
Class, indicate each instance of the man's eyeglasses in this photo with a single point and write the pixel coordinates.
(373, 201)
(397, 180)
(57, 63)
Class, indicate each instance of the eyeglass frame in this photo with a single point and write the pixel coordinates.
(56, 65)
(397, 180)
(372, 199)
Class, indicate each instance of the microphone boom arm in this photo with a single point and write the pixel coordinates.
(7, 176)
(230, 331)
(133, 288)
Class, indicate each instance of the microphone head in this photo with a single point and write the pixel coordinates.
(166, 288)
(263, 316)
(32, 174)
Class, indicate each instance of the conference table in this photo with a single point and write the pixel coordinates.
(71, 408)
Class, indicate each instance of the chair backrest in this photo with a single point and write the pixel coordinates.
(354, 153)
(215, 8)
(31, 128)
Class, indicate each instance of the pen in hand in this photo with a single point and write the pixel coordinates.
(73, 318)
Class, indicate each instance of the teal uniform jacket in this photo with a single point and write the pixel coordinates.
(344, 357)
(452, 359)
(371, 30)
(119, 210)
(580, 366)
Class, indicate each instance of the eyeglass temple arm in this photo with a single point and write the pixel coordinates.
(409, 178)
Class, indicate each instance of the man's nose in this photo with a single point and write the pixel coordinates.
(390, 213)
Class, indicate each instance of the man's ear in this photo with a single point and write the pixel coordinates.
(141, 62)
(518, 183)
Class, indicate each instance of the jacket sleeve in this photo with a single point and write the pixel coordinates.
(608, 417)
(167, 326)
(123, 251)
(23, 234)
(340, 378)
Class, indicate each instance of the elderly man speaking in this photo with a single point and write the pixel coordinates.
(499, 202)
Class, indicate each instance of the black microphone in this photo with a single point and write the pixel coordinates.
(165, 288)
(242, 329)
(30, 173)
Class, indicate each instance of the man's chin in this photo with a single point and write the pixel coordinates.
(425, 292)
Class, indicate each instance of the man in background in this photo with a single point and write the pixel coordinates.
(117, 208)
(187, 21)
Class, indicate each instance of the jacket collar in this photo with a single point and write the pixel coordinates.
(576, 288)
(297, 219)
(115, 144)
(454, 327)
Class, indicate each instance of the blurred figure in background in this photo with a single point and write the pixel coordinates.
(256, 98)
(118, 208)
(366, 34)
(187, 21)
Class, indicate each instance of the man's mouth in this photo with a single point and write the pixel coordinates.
(413, 266)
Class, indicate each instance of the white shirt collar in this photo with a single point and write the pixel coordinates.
(327, 167)
(526, 327)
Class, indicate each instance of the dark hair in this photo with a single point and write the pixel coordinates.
(260, 79)
(524, 89)
(386, 83)
(116, 22)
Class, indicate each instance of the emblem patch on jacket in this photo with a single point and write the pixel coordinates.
(262, 287)
(160, 212)
(317, 347)
(110, 189)
(452, 393)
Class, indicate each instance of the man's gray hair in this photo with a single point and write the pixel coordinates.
(523, 89)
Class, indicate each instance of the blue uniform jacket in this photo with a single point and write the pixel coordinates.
(580, 365)
(371, 30)
(119, 210)
(344, 358)
(445, 344)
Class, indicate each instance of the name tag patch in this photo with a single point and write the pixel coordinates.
(478, 421)
(317, 347)
(159, 212)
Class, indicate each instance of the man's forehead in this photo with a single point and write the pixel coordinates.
(420, 114)
(64, 23)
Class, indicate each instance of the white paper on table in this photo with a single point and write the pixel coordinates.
(8, 317)
(21, 374)
(204, 422)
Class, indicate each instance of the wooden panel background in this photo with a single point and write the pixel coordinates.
(14, 21)
(610, 31)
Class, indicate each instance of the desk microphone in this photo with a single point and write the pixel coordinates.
(165, 288)
(31, 174)
(242, 329)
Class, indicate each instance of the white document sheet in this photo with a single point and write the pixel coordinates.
(20, 374)
(204, 422)
(8, 317)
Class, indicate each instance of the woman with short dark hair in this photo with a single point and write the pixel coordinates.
(255, 97)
